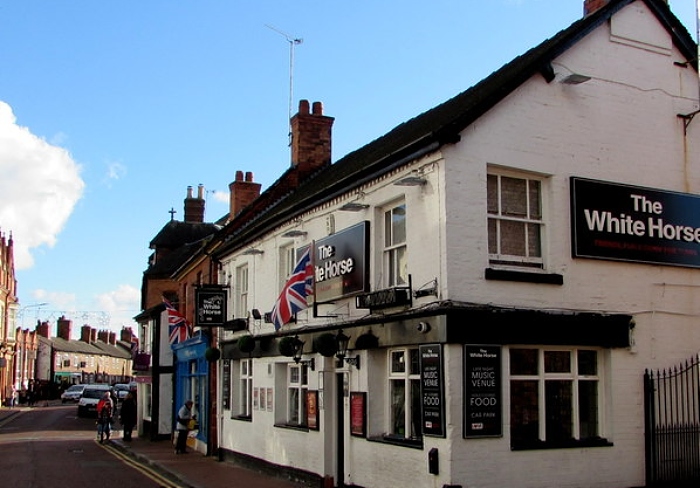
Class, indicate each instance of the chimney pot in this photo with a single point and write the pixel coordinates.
(242, 193)
(304, 107)
(317, 108)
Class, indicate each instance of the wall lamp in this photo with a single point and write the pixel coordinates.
(575, 79)
(298, 346)
(353, 207)
(411, 181)
(294, 233)
(343, 341)
(252, 251)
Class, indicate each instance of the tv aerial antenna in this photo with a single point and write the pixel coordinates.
(293, 41)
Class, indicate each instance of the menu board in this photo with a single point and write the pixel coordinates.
(483, 415)
(432, 389)
(358, 413)
(312, 410)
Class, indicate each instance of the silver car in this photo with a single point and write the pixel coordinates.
(72, 394)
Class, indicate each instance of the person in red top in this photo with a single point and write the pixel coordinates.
(105, 409)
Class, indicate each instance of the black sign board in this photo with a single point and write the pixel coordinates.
(389, 297)
(432, 390)
(483, 412)
(210, 303)
(340, 265)
(630, 223)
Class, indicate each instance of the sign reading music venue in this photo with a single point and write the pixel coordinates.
(630, 223)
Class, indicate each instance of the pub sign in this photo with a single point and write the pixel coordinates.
(210, 306)
(483, 412)
(432, 390)
(631, 223)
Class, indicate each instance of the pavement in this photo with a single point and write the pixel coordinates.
(193, 470)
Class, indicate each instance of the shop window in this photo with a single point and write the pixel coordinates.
(395, 250)
(515, 223)
(555, 398)
(404, 394)
(297, 386)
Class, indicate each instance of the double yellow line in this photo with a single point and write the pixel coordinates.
(143, 469)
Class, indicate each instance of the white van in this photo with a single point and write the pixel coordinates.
(87, 405)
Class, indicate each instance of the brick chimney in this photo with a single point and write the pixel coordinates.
(42, 328)
(126, 334)
(103, 336)
(311, 138)
(194, 207)
(63, 328)
(113, 338)
(591, 6)
(242, 192)
(86, 333)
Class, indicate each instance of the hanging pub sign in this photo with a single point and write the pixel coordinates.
(630, 223)
(483, 414)
(340, 263)
(432, 390)
(210, 306)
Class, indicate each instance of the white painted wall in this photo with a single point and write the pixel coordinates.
(621, 126)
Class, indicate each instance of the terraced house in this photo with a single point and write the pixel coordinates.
(487, 295)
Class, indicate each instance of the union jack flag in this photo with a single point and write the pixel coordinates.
(299, 286)
(178, 327)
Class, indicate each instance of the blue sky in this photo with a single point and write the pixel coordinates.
(110, 109)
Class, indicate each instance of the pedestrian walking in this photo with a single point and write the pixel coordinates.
(105, 411)
(127, 415)
(184, 416)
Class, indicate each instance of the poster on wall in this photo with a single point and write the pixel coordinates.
(629, 223)
(312, 410)
(432, 390)
(358, 413)
(483, 416)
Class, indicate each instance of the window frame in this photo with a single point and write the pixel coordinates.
(543, 378)
(394, 249)
(411, 385)
(300, 387)
(242, 290)
(242, 389)
(499, 217)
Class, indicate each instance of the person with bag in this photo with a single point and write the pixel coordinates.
(184, 416)
(105, 411)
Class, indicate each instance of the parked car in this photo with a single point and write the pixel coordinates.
(121, 390)
(87, 405)
(72, 394)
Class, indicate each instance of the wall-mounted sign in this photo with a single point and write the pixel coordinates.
(340, 263)
(483, 415)
(312, 409)
(631, 223)
(142, 362)
(210, 306)
(389, 297)
(432, 390)
(358, 413)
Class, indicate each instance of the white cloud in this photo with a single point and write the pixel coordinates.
(40, 187)
(121, 304)
(221, 196)
(115, 171)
